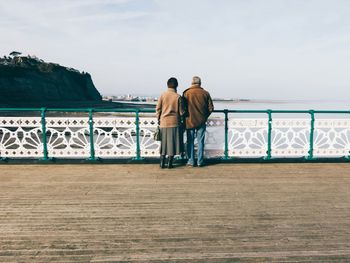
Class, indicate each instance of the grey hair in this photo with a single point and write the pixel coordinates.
(196, 80)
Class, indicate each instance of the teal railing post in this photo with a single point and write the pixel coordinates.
(226, 154)
(138, 147)
(312, 131)
(269, 135)
(43, 134)
(91, 133)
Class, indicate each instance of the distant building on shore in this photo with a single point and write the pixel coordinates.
(129, 97)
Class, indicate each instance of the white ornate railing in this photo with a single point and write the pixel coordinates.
(116, 137)
(290, 138)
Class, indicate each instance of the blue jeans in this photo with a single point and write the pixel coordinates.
(198, 133)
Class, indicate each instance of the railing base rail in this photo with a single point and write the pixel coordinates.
(211, 161)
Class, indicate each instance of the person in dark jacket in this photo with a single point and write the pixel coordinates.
(199, 106)
(169, 111)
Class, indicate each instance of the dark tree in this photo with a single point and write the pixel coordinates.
(15, 53)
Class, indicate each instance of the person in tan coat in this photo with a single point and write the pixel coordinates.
(169, 111)
(199, 106)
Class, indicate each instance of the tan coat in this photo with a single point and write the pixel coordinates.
(199, 106)
(169, 109)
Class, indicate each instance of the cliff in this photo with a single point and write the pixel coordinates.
(30, 82)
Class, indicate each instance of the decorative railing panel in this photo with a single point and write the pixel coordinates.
(20, 137)
(116, 137)
(131, 136)
(214, 138)
(247, 137)
(332, 138)
(68, 137)
(290, 137)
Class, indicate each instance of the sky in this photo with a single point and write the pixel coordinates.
(256, 49)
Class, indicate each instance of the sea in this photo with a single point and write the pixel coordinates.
(327, 105)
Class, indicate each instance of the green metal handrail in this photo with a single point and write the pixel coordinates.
(137, 112)
(141, 110)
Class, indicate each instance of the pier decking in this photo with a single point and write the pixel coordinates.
(131, 213)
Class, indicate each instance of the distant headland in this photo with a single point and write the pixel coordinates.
(27, 81)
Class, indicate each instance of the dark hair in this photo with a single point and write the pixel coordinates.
(172, 83)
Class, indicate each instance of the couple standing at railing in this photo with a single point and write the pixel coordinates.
(176, 114)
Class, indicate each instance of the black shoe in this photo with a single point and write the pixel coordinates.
(162, 161)
(170, 163)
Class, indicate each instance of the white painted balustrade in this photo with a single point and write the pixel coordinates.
(115, 137)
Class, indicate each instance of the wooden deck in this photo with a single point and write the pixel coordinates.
(219, 213)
